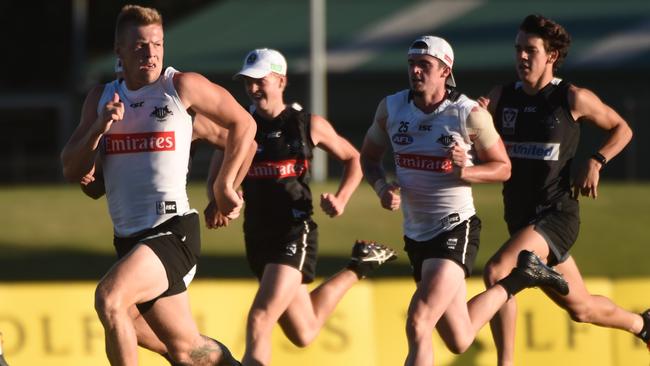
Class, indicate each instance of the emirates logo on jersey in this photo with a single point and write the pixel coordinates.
(125, 143)
(438, 164)
(278, 169)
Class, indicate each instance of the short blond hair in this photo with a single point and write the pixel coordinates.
(135, 15)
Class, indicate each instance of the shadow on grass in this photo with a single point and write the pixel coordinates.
(20, 264)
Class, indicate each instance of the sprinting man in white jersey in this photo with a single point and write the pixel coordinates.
(436, 134)
(140, 128)
(92, 184)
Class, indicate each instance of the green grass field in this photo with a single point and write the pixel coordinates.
(57, 229)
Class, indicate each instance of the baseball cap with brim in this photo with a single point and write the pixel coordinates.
(438, 48)
(261, 62)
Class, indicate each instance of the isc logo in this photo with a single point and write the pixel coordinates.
(165, 207)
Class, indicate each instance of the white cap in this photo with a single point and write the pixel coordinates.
(261, 62)
(436, 47)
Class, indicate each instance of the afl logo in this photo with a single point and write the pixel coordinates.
(251, 58)
(402, 139)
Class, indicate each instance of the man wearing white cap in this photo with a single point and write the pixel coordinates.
(280, 235)
(435, 134)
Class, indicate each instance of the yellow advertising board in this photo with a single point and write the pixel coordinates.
(55, 324)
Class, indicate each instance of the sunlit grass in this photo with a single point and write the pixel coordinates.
(614, 237)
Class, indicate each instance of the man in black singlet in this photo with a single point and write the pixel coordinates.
(539, 120)
(280, 235)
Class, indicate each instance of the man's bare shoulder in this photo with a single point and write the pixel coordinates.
(184, 79)
(581, 98)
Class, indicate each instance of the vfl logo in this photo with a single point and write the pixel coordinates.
(402, 139)
(508, 120)
(136, 104)
(530, 109)
(424, 128)
(274, 135)
(165, 207)
(445, 140)
(161, 113)
(403, 127)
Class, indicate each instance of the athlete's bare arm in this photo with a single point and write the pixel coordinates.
(375, 145)
(78, 155)
(213, 218)
(214, 102)
(324, 136)
(92, 184)
(206, 130)
(587, 107)
(494, 163)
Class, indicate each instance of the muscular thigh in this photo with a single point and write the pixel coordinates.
(137, 277)
(525, 239)
(176, 245)
(171, 320)
(278, 285)
(456, 315)
(578, 293)
(440, 283)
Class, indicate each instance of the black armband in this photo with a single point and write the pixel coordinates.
(599, 158)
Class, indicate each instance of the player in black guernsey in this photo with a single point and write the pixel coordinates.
(539, 119)
(280, 235)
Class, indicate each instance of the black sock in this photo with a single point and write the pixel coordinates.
(168, 358)
(514, 282)
(226, 356)
(354, 267)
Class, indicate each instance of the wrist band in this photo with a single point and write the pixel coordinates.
(599, 158)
